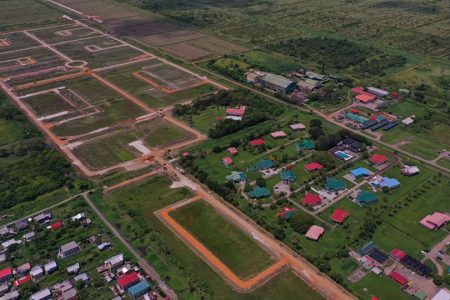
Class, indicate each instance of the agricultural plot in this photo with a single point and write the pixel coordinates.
(159, 84)
(234, 248)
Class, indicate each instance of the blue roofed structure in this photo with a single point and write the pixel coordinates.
(236, 177)
(139, 289)
(335, 185)
(390, 183)
(360, 172)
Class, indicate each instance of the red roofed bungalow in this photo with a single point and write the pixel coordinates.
(258, 142)
(339, 215)
(57, 225)
(285, 212)
(128, 280)
(400, 279)
(278, 134)
(366, 98)
(374, 298)
(238, 112)
(6, 274)
(22, 280)
(311, 199)
(358, 90)
(396, 96)
(355, 111)
(185, 154)
(397, 254)
(313, 166)
(227, 161)
(233, 151)
(378, 159)
(219, 118)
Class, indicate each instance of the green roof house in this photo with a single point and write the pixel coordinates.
(264, 164)
(288, 176)
(306, 144)
(259, 192)
(366, 198)
(236, 177)
(335, 185)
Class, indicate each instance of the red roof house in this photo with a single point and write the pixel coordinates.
(278, 134)
(185, 154)
(313, 167)
(227, 161)
(378, 159)
(314, 232)
(339, 215)
(258, 142)
(233, 151)
(22, 280)
(366, 97)
(435, 221)
(358, 90)
(57, 225)
(311, 199)
(355, 111)
(128, 280)
(6, 274)
(286, 212)
(399, 278)
(397, 254)
(238, 112)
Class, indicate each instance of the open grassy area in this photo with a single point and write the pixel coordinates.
(233, 247)
(131, 210)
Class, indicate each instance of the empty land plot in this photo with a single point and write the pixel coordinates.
(114, 148)
(186, 51)
(16, 41)
(233, 247)
(28, 62)
(47, 104)
(19, 14)
(217, 46)
(112, 107)
(99, 52)
(146, 88)
(175, 36)
(63, 33)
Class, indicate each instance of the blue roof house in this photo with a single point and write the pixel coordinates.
(360, 172)
(139, 289)
(259, 192)
(264, 164)
(288, 176)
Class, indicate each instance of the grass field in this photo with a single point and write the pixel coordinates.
(233, 247)
(113, 148)
(131, 210)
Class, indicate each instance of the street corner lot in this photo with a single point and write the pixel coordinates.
(15, 41)
(64, 33)
(158, 83)
(227, 242)
(128, 143)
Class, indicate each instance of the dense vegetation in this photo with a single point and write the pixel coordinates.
(258, 110)
(28, 166)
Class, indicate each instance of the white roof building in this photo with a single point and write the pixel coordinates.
(73, 268)
(50, 267)
(11, 295)
(408, 121)
(298, 126)
(443, 294)
(11, 242)
(115, 261)
(36, 272)
(41, 295)
(82, 277)
(78, 217)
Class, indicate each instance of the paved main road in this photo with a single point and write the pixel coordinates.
(141, 260)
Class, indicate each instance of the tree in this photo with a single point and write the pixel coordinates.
(301, 224)
(315, 123)
(260, 181)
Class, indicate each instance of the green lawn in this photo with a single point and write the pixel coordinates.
(233, 247)
(269, 61)
(382, 287)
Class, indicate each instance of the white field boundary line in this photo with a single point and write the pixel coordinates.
(60, 54)
(75, 40)
(22, 49)
(32, 29)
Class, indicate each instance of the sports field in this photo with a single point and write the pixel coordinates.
(234, 248)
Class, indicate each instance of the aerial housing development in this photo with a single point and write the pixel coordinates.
(263, 149)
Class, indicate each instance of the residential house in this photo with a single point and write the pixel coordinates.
(23, 269)
(128, 280)
(257, 143)
(339, 215)
(311, 200)
(78, 217)
(82, 277)
(264, 164)
(30, 236)
(378, 159)
(435, 220)
(139, 289)
(11, 242)
(44, 294)
(21, 224)
(259, 192)
(314, 166)
(115, 261)
(73, 269)
(278, 134)
(366, 197)
(50, 267)
(6, 275)
(297, 127)
(409, 170)
(13, 295)
(104, 246)
(69, 249)
(42, 217)
(37, 272)
(288, 176)
(335, 185)
(236, 177)
(314, 232)
(233, 151)
(6, 232)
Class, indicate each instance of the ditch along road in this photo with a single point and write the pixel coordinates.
(329, 118)
(306, 271)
